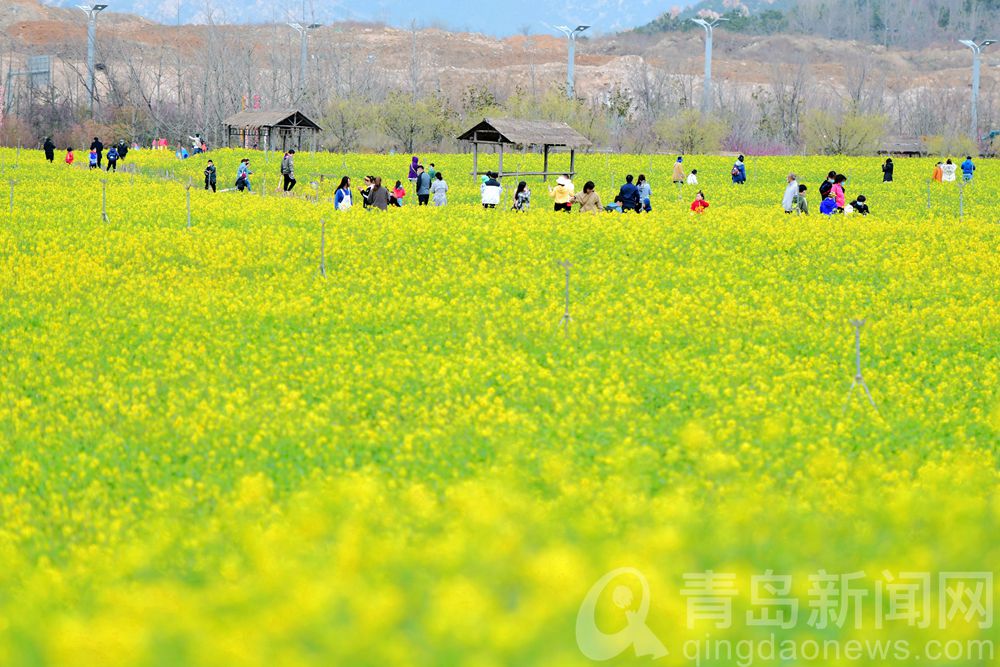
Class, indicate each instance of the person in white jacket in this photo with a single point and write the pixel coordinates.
(491, 191)
(693, 177)
(791, 191)
(948, 170)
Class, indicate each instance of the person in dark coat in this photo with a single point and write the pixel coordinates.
(628, 196)
(50, 149)
(98, 147)
(887, 170)
(122, 150)
(210, 176)
(739, 171)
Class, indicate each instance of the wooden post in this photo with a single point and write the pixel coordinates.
(545, 163)
(501, 160)
(187, 189)
(104, 200)
(475, 159)
(322, 247)
(572, 162)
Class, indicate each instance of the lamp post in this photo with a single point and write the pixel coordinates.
(91, 11)
(571, 35)
(977, 50)
(304, 34)
(709, 26)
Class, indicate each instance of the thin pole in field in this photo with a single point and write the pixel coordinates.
(928, 194)
(564, 322)
(187, 191)
(104, 200)
(322, 247)
(12, 183)
(859, 380)
(961, 200)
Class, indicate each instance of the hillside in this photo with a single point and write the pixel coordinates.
(194, 76)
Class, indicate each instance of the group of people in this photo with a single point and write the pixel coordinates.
(373, 194)
(833, 194)
(116, 153)
(946, 172)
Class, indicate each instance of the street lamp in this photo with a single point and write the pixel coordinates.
(709, 26)
(304, 34)
(91, 11)
(571, 35)
(977, 50)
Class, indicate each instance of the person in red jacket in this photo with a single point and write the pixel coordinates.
(69, 155)
(699, 204)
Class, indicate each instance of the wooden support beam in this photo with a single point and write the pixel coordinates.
(545, 163)
(572, 161)
(500, 169)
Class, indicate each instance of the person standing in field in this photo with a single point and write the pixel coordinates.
(968, 168)
(699, 204)
(50, 149)
(342, 200)
(645, 193)
(210, 176)
(791, 191)
(113, 159)
(432, 170)
(522, 197)
(366, 189)
(122, 150)
(827, 185)
(414, 163)
(423, 186)
(739, 171)
(562, 195)
(93, 160)
(938, 174)
(69, 156)
(588, 200)
(379, 196)
(97, 147)
(288, 170)
(948, 170)
(439, 189)
(692, 178)
(678, 171)
(887, 170)
(490, 192)
(243, 176)
(838, 192)
(800, 202)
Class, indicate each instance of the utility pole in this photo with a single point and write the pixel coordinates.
(977, 51)
(709, 26)
(91, 11)
(304, 55)
(571, 35)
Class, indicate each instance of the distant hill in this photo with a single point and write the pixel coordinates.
(886, 22)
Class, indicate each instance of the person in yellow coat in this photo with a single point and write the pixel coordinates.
(679, 171)
(563, 194)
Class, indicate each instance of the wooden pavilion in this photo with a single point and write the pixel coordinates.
(276, 130)
(520, 134)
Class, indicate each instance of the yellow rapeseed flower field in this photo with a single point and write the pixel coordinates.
(212, 455)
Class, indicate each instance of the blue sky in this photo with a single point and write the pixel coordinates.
(505, 17)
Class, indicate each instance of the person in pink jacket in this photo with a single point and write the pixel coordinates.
(838, 191)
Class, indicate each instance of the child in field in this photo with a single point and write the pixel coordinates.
(439, 189)
(799, 202)
(948, 170)
(645, 193)
(93, 158)
(860, 205)
(69, 156)
(938, 174)
(699, 204)
(829, 205)
(397, 194)
(522, 197)
(693, 177)
(210, 176)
